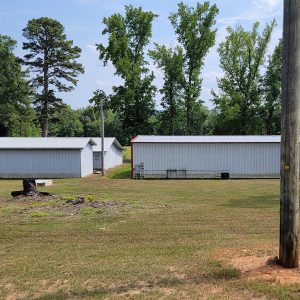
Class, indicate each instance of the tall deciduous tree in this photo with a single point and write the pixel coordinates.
(239, 100)
(272, 92)
(100, 98)
(52, 60)
(195, 32)
(171, 63)
(17, 118)
(89, 118)
(127, 38)
(66, 122)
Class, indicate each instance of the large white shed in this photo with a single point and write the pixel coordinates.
(113, 153)
(205, 156)
(45, 157)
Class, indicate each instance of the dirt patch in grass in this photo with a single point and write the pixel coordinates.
(275, 273)
(85, 207)
(249, 263)
(27, 199)
(43, 206)
(261, 267)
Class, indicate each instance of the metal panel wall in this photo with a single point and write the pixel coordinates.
(26, 163)
(113, 157)
(208, 160)
(87, 160)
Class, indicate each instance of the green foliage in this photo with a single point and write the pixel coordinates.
(210, 123)
(52, 58)
(127, 38)
(90, 120)
(90, 198)
(247, 102)
(113, 126)
(17, 118)
(194, 29)
(99, 99)
(171, 63)
(127, 154)
(240, 99)
(272, 92)
(66, 122)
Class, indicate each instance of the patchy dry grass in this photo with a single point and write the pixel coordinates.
(140, 239)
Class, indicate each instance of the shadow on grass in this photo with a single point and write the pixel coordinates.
(254, 202)
(220, 272)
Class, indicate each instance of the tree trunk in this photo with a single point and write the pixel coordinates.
(29, 190)
(45, 124)
(29, 186)
(45, 116)
(289, 177)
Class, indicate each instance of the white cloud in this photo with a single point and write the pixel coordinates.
(261, 10)
(93, 48)
(267, 5)
(102, 83)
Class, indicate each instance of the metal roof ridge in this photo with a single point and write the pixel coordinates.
(207, 139)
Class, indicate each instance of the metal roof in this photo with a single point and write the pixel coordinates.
(108, 141)
(44, 143)
(208, 139)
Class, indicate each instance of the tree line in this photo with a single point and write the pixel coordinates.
(247, 100)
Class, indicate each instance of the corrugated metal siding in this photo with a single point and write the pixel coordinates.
(112, 158)
(87, 160)
(208, 160)
(39, 163)
(108, 141)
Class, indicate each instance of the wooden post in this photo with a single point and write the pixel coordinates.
(102, 140)
(289, 179)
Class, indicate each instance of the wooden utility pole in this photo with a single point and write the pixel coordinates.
(289, 179)
(102, 138)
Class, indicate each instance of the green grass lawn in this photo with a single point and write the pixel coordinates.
(139, 239)
(123, 172)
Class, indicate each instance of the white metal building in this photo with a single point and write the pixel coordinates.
(113, 153)
(45, 157)
(205, 156)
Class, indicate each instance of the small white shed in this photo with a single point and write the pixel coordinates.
(23, 157)
(205, 156)
(113, 153)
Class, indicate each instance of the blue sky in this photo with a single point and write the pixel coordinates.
(82, 21)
